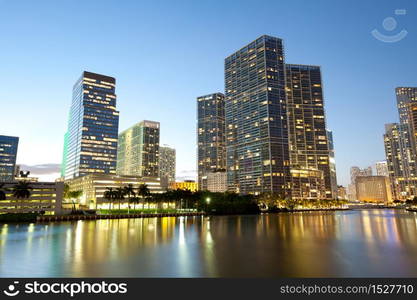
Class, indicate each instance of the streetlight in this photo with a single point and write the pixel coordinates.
(208, 200)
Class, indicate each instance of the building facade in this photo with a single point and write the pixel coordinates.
(167, 165)
(211, 142)
(8, 154)
(257, 151)
(308, 137)
(138, 150)
(374, 189)
(90, 143)
(184, 185)
(94, 186)
(215, 182)
(44, 197)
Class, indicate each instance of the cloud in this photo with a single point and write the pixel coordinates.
(42, 169)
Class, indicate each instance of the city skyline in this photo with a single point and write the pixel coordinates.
(41, 144)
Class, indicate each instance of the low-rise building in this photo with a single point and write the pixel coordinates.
(184, 185)
(44, 197)
(341, 192)
(93, 187)
(215, 182)
(374, 189)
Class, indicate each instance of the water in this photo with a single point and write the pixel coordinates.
(362, 243)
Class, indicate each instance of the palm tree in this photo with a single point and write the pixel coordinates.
(120, 194)
(129, 191)
(109, 195)
(143, 192)
(21, 190)
(134, 200)
(74, 195)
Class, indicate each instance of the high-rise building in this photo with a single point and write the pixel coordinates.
(211, 142)
(8, 154)
(381, 168)
(138, 150)
(308, 138)
(400, 161)
(356, 172)
(215, 182)
(332, 165)
(257, 152)
(91, 140)
(167, 164)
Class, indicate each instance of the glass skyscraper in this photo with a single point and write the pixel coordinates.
(138, 150)
(308, 137)
(8, 154)
(167, 165)
(90, 144)
(257, 150)
(211, 143)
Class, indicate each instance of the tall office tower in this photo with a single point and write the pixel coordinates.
(400, 161)
(8, 153)
(167, 163)
(308, 137)
(91, 140)
(211, 152)
(257, 153)
(332, 164)
(405, 97)
(138, 150)
(381, 168)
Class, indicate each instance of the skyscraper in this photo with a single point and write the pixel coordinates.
(211, 142)
(8, 154)
(138, 150)
(91, 140)
(167, 163)
(308, 138)
(257, 153)
(381, 168)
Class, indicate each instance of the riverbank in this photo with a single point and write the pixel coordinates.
(53, 218)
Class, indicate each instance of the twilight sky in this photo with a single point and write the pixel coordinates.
(166, 53)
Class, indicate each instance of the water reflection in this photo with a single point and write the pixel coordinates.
(379, 243)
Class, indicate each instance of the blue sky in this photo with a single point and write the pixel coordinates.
(166, 53)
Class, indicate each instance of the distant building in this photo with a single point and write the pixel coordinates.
(45, 197)
(184, 185)
(94, 186)
(8, 154)
(138, 150)
(90, 143)
(351, 192)
(211, 139)
(381, 168)
(167, 165)
(215, 181)
(341, 192)
(374, 189)
(356, 172)
(332, 164)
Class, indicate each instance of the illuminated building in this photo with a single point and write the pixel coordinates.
(138, 150)
(211, 141)
(44, 196)
(400, 161)
(257, 153)
(8, 153)
(354, 173)
(373, 189)
(94, 186)
(307, 184)
(215, 182)
(184, 185)
(310, 147)
(90, 143)
(167, 165)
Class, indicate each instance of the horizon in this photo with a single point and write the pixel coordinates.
(154, 66)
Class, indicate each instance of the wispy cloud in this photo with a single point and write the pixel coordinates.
(42, 169)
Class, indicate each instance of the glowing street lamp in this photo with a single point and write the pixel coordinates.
(208, 200)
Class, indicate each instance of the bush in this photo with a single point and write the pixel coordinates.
(18, 217)
(227, 204)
